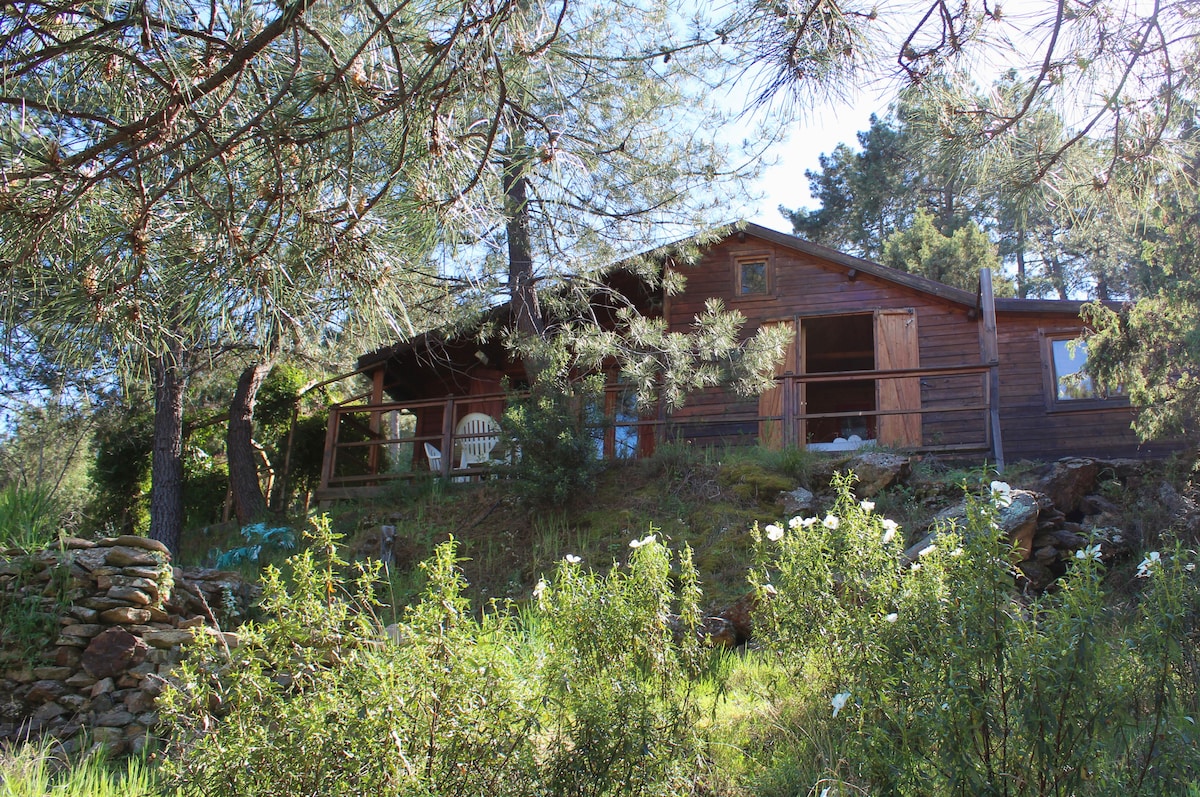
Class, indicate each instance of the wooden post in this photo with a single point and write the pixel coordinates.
(375, 424)
(447, 436)
(330, 456)
(788, 412)
(991, 355)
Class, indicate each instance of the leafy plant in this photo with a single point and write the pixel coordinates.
(553, 432)
(589, 692)
(937, 676)
(259, 538)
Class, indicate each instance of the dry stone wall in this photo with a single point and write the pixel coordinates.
(91, 629)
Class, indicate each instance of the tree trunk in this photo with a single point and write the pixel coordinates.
(526, 309)
(249, 504)
(522, 287)
(166, 474)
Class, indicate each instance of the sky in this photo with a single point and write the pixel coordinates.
(784, 183)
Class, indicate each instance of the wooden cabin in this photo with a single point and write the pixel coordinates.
(878, 356)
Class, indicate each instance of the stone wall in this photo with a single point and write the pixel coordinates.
(90, 629)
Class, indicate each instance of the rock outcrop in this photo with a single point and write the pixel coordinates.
(92, 630)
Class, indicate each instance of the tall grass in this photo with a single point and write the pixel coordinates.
(36, 770)
(29, 517)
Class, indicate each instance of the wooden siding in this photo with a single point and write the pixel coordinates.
(806, 285)
(1033, 426)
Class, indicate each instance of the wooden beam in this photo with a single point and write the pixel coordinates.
(990, 348)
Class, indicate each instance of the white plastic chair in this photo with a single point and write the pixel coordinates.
(477, 434)
(434, 456)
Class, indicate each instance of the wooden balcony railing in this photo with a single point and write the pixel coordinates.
(369, 444)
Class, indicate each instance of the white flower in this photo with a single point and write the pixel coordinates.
(1153, 558)
(769, 589)
(1001, 494)
(867, 506)
(572, 559)
(649, 538)
(539, 589)
(774, 533)
(830, 522)
(928, 549)
(891, 618)
(1090, 552)
(796, 523)
(808, 522)
(915, 566)
(890, 527)
(839, 702)
(957, 552)
(1190, 567)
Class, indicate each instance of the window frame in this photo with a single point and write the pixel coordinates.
(1050, 378)
(749, 257)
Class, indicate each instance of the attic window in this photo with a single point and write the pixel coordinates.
(752, 275)
(1070, 384)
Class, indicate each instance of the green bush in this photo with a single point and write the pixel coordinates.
(587, 694)
(938, 677)
(552, 431)
(120, 472)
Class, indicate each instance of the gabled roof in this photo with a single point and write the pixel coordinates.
(913, 281)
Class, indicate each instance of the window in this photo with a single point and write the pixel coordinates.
(1070, 384)
(752, 275)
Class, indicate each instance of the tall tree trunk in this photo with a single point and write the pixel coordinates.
(249, 504)
(166, 464)
(522, 287)
(1057, 277)
(527, 310)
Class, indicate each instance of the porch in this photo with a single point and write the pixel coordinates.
(371, 443)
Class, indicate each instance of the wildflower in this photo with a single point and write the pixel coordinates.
(867, 506)
(1001, 494)
(539, 589)
(796, 523)
(830, 522)
(957, 552)
(928, 549)
(1152, 558)
(808, 522)
(774, 533)
(890, 527)
(770, 589)
(572, 559)
(891, 618)
(649, 538)
(839, 702)
(1090, 552)
(915, 566)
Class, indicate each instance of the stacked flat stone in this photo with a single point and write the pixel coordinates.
(127, 613)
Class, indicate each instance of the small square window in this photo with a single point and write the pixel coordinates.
(1072, 382)
(752, 276)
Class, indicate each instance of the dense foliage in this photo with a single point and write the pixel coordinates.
(878, 674)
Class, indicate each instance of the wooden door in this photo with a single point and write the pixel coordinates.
(771, 403)
(896, 347)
